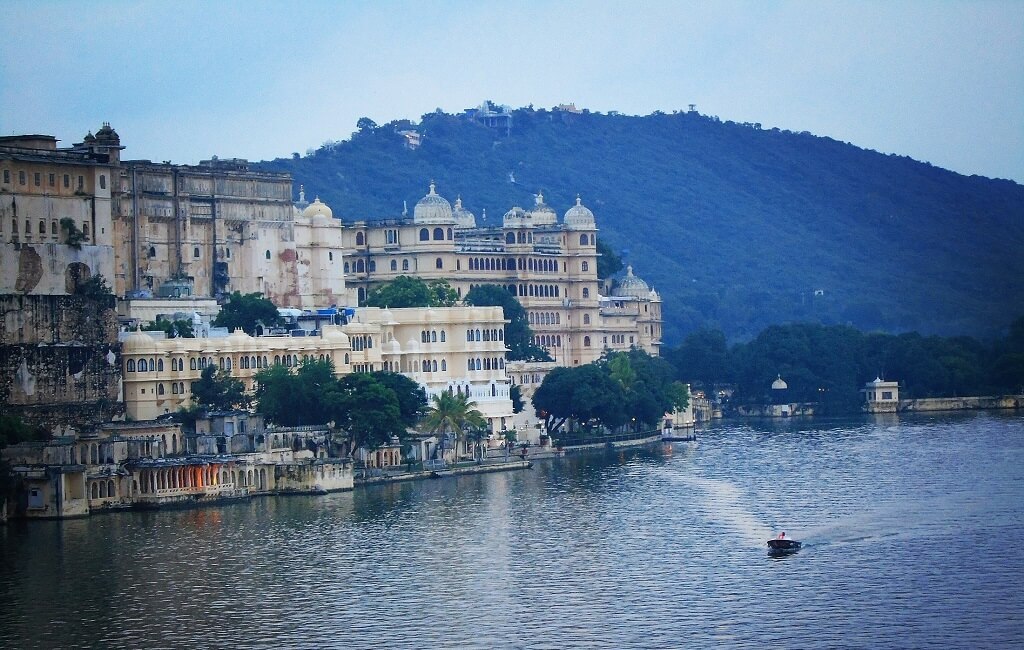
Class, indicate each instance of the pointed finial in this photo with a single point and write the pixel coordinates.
(578, 199)
(302, 193)
(432, 192)
(539, 197)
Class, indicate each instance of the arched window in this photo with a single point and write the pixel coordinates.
(444, 366)
(586, 292)
(360, 239)
(159, 389)
(439, 263)
(330, 256)
(143, 367)
(405, 265)
(433, 336)
(130, 365)
(442, 336)
(372, 266)
(438, 234)
(449, 233)
(53, 227)
(586, 319)
(159, 365)
(192, 364)
(174, 388)
(195, 252)
(394, 265)
(42, 227)
(424, 234)
(433, 366)
(585, 266)
(85, 228)
(346, 267)
(583, 240)
(586, 341)
(360, 266)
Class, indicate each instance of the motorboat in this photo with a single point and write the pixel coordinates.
(782, 546)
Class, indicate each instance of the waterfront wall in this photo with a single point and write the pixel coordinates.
(961, 403)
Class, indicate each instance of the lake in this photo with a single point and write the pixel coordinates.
(913, 530)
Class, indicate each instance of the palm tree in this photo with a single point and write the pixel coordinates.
(453, 414)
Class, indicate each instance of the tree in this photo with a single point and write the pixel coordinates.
(453, 414)
(608, 263)
(404, 291)
(180, 328)
(515, 393)
(246, 312)
(442, 294)
(587, 394)
(370, 412)
(412, 399)
(309, 394)
(365, 124)
(217, 390)
(518, 335)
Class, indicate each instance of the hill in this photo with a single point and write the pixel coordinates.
(737, 227)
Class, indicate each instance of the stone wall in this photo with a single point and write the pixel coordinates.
(60, 362)
(961, 403)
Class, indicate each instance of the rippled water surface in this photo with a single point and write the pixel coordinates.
(913, 532)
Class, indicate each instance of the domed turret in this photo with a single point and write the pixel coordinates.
(779, 384)
(463, 217)
(632, 286)
(579, 217)
(433, 209)
(317, 209)
(138, 342)
(334, 334)
(542, 214)
(516, 218)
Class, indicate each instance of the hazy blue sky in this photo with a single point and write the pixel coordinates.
(940, 81)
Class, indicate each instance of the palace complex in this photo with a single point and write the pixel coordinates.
(171, 239)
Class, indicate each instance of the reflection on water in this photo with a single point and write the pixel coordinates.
(913, 530)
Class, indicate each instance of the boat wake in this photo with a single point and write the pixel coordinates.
(727, 505)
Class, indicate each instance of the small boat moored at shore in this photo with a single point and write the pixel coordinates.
(782, 546)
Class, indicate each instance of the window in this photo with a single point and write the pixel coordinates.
(586, 341)
(103, 181)
(586, 292)
(372, 266)
(67, 180)
(81, 182)
(360, 239)
(330, 256)
(160, 365)
(195, 252)
(85, 228)
(583, 240)
(586, 319)
(42, 227)
(405, 265)
(52, 179)
(7, 176)
(394, 265)
(53, 228)
(37, 178)
(585, 266)
(21, 178)
(130, 366)
(438, 234)
(424, 233)
(159, 389)
(439, 263)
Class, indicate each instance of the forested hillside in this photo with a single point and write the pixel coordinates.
(737, 227)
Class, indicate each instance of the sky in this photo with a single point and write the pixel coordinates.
(940, 81)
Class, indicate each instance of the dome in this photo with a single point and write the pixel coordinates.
(334, 334)
(542, 214)
(632, 286)
(89, 138)
(393, 347)
(138, 342)
(387, 318)
(579, 216)
(779, 384)
(463, 217)
(516, 218)
(317, 209)
(412, 345)
(433, 208)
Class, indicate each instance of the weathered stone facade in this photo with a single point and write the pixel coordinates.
(60, 362)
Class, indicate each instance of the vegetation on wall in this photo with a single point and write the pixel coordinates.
(518, 334)
(246, 311)
(736, 226)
